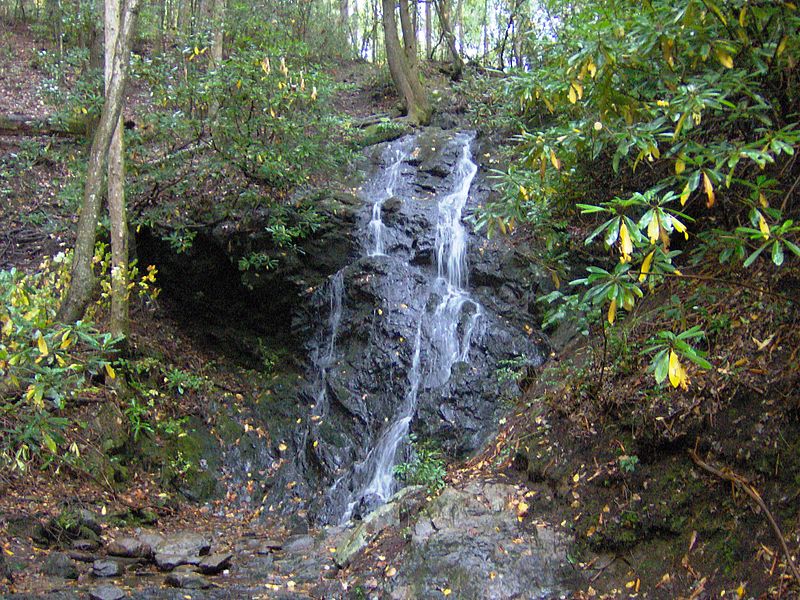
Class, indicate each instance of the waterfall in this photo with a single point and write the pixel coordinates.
(394, 156)
(445, 334)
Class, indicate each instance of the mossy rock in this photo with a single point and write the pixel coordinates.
(385, 131)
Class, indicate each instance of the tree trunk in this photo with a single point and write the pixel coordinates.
(428, 30)
(404, 75)
(217, 40)
(409, 35)
(79, 292)
(460, 26)
(117, 211)
(442, 9)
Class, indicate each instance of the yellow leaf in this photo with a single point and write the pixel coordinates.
(576, 478)
(612, 312)
(43, 350)
(110, 371)
(239, 84)
(592, 68)
(724, 58)
(196, 50)
(680, 166)
(572, 95)
(762, 200)
(677, 374)
(685, 194)
(781, 46)
(447, 591)
(654, 228)
(578, 88)
(542, 167)
(762, 225)
(554, 160)
(645, 270)
(7, 325)
(522, 508)
(391, 571)
(680, 227)
(625, 243)
(709, 188)
(282, 447)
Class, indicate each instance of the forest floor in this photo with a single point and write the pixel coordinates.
(594, 445)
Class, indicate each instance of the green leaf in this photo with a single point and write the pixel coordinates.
(661, 365)
(752, 258)
(777, 253)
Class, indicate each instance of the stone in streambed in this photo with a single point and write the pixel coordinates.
(185, 543)
(58, 564)
(167, 562)
(187, 579)
(215, 563)
(106, 592)
(129, 548)
(106, 568)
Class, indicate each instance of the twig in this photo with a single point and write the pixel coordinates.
(728, 475)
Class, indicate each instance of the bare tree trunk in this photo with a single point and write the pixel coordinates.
(81, 283)
(428, 30)
(485, 29)
(404, 75)
(409, 35)
(117, 211)
(443, 9)
(374, 31)
(346, 26)
(460, 26)
(217, 41)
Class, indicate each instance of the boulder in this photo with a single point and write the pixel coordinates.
(58, 564)
(106, 592)
(106, 568)
(215, 563)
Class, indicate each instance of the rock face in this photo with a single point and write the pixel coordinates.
(379, 331)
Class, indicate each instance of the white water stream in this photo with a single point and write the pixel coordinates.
(441, 332)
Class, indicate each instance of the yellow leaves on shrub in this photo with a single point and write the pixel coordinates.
(709, 189)
(646, 264)
(763, 226)
(677, 374)
(42, 343)
(625, 243)
(724, 58)
(612, 312)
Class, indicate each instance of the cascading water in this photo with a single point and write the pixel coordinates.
(441, 329)
(394, 156)
(400, 341)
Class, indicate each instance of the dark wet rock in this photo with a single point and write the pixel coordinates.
(383, 302)
(86, 545)
(215, 563)
(58, 564)
(188, 580)
(129, 547)
(106, 592)
(106, 568)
